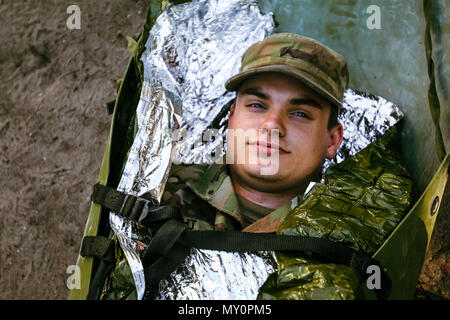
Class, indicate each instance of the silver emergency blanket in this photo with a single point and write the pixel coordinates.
(365, 117)
(191, 51)
(218, 275)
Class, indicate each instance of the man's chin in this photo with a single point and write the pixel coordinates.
(279, 182)
(273, 183)
(263, 172)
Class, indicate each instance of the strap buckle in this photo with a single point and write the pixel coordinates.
(124, 212)
(126, 205)
(135, 208)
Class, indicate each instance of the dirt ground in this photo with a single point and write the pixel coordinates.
(53, 131)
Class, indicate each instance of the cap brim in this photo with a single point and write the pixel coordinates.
(235, 82)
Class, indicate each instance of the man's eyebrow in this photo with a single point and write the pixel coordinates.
(305, 101)
(255, 92)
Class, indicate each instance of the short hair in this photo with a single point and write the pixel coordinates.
(333, 120)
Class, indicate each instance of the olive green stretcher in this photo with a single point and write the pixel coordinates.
(397, 50)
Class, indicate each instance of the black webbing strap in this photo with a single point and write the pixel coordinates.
(102, 248)
(131, 207)
(120, 203)
(162, 213)
(164, 240)
(164, 254)
(248, 242)
(112, 199)
(96, 246)
(161, 260)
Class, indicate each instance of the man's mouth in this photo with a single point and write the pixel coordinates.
(268, 147)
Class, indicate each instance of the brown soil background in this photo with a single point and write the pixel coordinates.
(53, 131)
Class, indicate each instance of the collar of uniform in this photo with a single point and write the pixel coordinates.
(215, 187)
(271, 222)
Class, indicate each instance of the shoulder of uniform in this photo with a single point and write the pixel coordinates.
(209, 180)
(183, 173)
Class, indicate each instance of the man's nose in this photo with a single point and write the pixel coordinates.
(274, 123)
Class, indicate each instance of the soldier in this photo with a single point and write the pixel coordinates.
(290, 87)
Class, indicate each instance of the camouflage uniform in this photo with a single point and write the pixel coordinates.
(206, 195)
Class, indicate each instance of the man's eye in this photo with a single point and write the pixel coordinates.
(256, 105)
(300, 114)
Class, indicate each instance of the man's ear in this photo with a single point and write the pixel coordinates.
(232, 107)
(336, 135)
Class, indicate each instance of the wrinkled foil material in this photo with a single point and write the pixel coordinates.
(124, 230)
(191, 51)
(364, 117)
(218, 275)
(204, 50)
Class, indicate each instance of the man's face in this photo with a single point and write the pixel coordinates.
(281, 105)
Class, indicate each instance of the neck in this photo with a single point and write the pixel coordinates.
(273, 200)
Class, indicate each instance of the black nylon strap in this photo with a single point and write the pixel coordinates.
(163, 241)
(163, 267)
(95, 246)
(163, 255)
(120, 203)
(161, 213)
(109, 198)
(245, 241)
(104, 269)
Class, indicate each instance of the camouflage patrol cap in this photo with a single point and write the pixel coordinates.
(319, 67)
